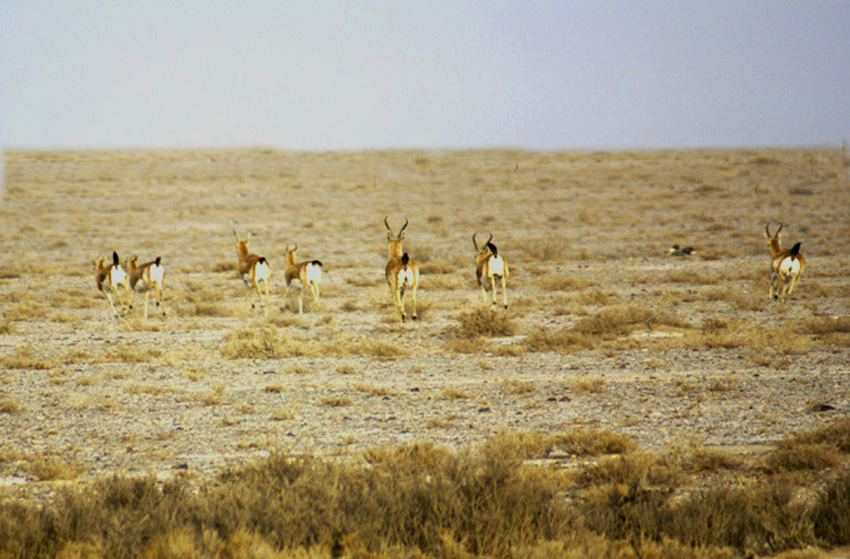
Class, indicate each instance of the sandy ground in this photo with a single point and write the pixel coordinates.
(83, 394)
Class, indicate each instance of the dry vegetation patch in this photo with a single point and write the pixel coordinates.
(484, 321)
(409, 498)
(607, 325)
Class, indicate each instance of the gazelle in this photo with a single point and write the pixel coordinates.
(401, 271)
(149, 276)
(254, 271)
(786, 266)
(308, 272)
(490, 266)
(110, 277)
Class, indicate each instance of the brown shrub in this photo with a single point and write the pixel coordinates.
(484, 321)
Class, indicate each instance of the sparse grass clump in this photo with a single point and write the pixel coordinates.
(381, 349)
(689, 277)
(373, 390)
(588, 385)
(831, 512)
(707, 460)
(829, 330)
(455, 394)
(254, 343)
(484, 321)
(24, 312)
(813, 450)
(336, 401)
(25, 358)
(577, 442)
(49, 469)
(783, 340)
(563, 283)
(607, 325)
(517, 387)
(623, 320)
(631, 469)
(9, 406)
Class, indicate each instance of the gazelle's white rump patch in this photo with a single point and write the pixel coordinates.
(262, 271)
(117, 275)
(496, 266)
(313, 273)
(789, 266)
(405, 276)
(157, 272)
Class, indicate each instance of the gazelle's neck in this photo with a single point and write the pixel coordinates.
(395, 250)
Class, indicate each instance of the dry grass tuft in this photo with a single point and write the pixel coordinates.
(25, 358)
(813, 450)
(791, 457)
(517, 387)
(609, 324)
(690, 277)
(336, 401)
(50, 469)
(373, 390)
(631, 469)
(831, 330)
(563, 283)
(587, 385)
(455, 394)
(381, 349)
(578, 442)
(260, 343)
(9, 406)
(784, 339)
(707, 460)
(484, 321)
(831, 512)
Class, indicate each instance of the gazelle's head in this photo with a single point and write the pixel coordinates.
(290, 251)
(241, 244)
(773, 240)
(487, 248)
(395, 240)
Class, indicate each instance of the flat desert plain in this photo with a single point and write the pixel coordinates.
(604, 330)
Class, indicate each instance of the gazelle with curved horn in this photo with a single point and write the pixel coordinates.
(786, 266)
(111, 277)
(254, 271)
(489, 267)
(401, 272)
(308, 272)
(149, 276)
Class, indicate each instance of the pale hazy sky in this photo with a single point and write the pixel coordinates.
(432, 74)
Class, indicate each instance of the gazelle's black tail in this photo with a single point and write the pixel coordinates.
(795, 250)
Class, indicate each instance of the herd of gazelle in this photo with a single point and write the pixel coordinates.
(402, 272)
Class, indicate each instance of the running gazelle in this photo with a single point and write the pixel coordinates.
(490, 266)
(110, 277)
(308, 272)
(401, 271)
(145, 278)
(786, 266)
(254, 271)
